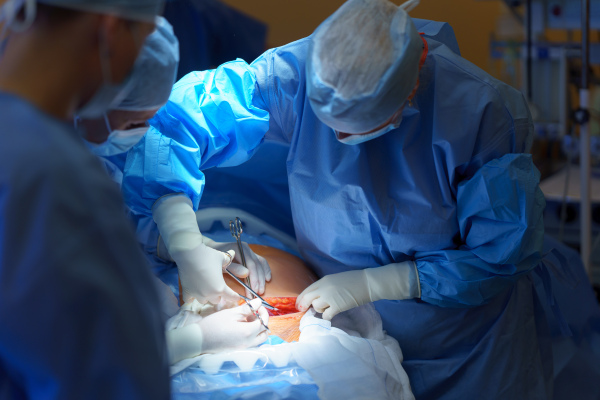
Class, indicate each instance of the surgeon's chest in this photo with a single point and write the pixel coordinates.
(387, 192)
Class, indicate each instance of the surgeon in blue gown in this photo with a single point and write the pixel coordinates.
(78, 309)
(409, 183)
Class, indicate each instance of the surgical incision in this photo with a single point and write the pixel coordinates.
(290, 276)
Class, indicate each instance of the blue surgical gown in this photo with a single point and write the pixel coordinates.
(78, 307)
(449, 189)
(576, 357)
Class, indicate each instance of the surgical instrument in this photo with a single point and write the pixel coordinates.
(238, 280)
(235, 227)
(255, 312)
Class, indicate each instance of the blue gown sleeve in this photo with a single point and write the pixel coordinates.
(500, 214)
(213, 118)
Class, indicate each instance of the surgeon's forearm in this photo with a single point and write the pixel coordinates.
(500, 217)
(460, 279)
(176, 221)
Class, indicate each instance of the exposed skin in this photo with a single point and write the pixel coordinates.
(57, 67)
(96, 130)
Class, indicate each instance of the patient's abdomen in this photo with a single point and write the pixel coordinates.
(289, 274)
(289, 277)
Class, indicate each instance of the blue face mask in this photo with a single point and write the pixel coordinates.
(109, 95)
(356, 139)
(120, 141)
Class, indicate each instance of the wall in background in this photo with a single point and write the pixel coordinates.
(289, 20)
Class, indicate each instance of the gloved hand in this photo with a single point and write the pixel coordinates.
(200, 267)
(335, 293)
(233, 328)
(258, 267)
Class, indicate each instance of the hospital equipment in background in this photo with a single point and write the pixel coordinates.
(566, 120)
(563, 211)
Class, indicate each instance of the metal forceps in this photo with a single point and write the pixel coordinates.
(236, 231)
(235, 227)
(238, 280)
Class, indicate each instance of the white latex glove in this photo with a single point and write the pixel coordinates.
(335, 293)
(258, 267)
(233, 328)
(200, 267)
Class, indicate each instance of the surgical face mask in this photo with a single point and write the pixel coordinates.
(360, 138)
(120, 141)
(356, 139)
(127, 138)
(109, 94)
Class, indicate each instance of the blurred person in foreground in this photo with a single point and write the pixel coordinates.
(78, 307)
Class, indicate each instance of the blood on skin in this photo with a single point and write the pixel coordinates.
(290, 276)
(284, 322)
(285, 305)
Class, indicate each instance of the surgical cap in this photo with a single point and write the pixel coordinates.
(362, 65)
(154, 71)
(138, 10)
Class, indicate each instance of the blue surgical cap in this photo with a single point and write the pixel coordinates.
(362, 65)
(154, 71)
(138, 10)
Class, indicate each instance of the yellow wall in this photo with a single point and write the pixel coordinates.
(288, 20)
